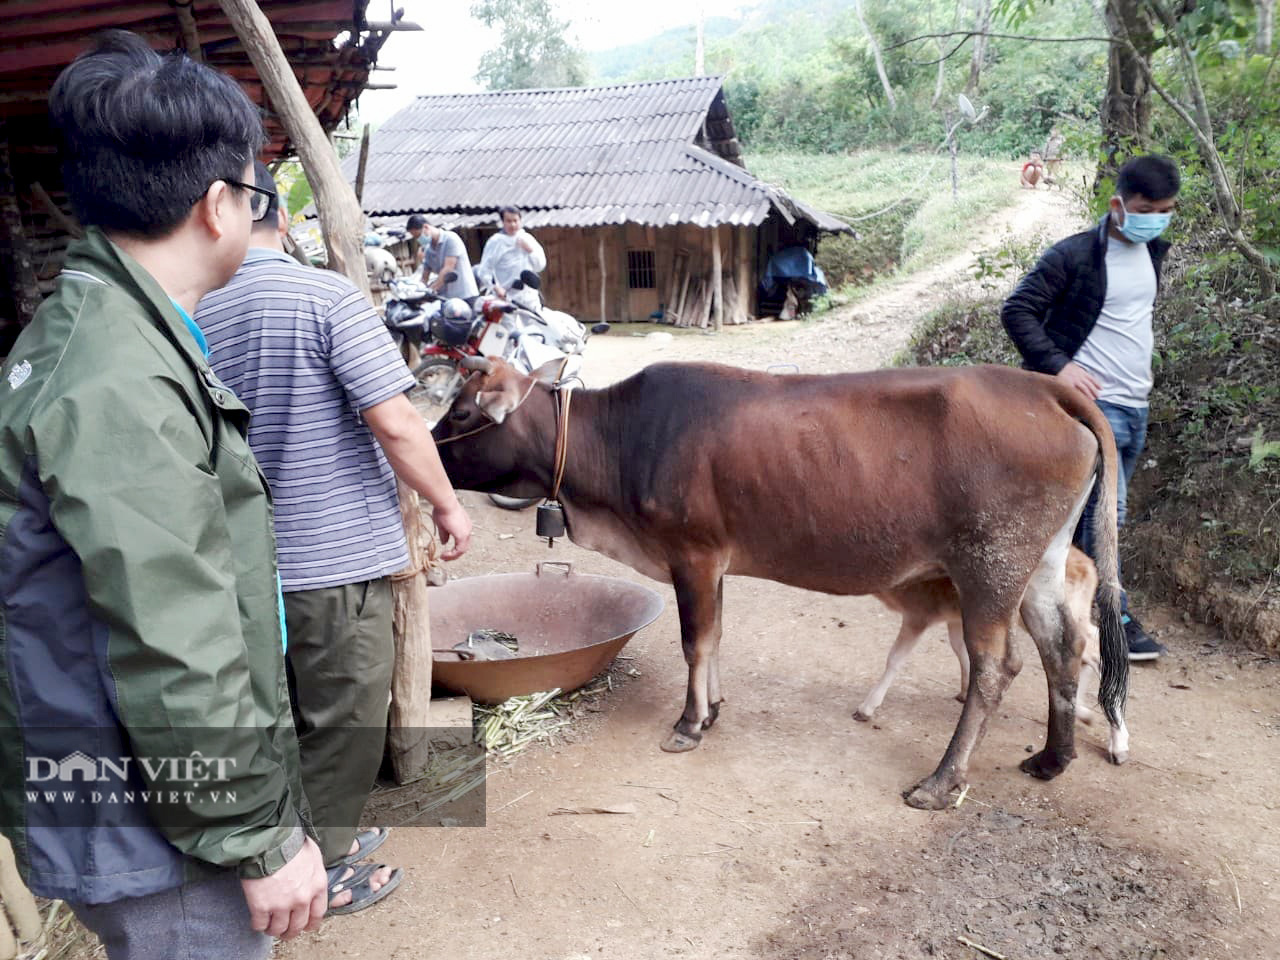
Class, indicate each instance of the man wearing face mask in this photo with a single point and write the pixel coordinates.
(1083, 314)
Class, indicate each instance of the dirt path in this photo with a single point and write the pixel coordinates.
(784, 835)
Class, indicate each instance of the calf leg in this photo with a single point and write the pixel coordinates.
(994, 663)
(908, 636)
(699, 595)
(955, 633)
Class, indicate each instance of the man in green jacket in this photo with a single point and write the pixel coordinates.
(149, 769)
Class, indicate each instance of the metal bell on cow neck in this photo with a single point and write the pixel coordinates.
(550, 522)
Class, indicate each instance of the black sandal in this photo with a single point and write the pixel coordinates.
(359, 883)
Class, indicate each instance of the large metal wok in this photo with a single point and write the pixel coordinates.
(570, 627)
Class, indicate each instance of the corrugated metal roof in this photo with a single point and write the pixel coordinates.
(572, 157)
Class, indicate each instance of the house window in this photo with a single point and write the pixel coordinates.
(640, 270)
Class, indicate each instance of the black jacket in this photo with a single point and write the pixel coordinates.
(1053, 309)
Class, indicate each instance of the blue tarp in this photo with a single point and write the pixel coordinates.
(793, 264)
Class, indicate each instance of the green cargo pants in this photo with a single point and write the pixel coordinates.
(339, 663)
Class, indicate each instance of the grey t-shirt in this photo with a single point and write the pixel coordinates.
(1118, 349)
(450, 245)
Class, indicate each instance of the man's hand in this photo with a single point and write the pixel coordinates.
(453, 521)
(499, 291)
(292, 899)
(524, 241)
(1074, 375)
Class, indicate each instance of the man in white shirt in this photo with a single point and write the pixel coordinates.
(1084, 313)
(509, 252)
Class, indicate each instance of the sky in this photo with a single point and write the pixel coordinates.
(444, 56)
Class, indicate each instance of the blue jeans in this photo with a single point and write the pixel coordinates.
(1129, 424)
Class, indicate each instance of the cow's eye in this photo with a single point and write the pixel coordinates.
(460, 414)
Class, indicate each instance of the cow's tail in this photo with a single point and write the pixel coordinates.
(1113, 691)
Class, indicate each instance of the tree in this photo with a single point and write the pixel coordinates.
(1126, 106)
(534, 49)
(1197, 117)
(1266, 25)
(875, 52)
(981, 27)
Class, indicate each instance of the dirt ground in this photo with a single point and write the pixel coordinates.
(785, 836)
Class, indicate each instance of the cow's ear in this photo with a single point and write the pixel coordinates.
(549, 371)
(496, 404)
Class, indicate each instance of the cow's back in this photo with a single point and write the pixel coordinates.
(848, 483)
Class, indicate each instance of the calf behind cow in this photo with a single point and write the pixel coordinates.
(936, 601)
(846, 484)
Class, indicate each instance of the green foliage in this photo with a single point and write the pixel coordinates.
(800, 74)
(900, 204)
(534, 49)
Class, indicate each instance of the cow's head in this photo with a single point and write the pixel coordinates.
(499, 435)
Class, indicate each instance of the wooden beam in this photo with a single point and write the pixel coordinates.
(187, 24)
(717, 279)
(604, 274)
(69, 226)
(742, 249)
(340, 217)
(364, 162)
(343, 225)
(24, 288)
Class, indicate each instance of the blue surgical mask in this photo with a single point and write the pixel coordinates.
(1141, 227)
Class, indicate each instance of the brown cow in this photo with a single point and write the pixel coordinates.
(846, 484)
(936, 601)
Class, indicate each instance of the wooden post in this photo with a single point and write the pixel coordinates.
(19, 270)
(340, 216)
(743, 251)
(364, 162)
(604, 276)
(190, 35)
(717, 280)
(17, 900)
(343, 224)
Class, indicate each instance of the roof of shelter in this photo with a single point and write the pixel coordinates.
(657, 153)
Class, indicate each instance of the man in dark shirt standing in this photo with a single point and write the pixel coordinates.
(1083, 314)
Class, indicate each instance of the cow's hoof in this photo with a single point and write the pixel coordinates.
(927, 798)
(713, 714)
(862, 714)
(1085, 715)
(962, 696)
(1118, 757)
(679, 742)
(1045, 765)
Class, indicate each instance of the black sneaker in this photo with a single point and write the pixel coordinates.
(1142, 646)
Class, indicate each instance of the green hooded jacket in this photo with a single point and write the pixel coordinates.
(141, 662)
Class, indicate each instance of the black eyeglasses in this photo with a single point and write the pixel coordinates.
(259, 199)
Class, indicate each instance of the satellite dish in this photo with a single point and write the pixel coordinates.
(966, 107)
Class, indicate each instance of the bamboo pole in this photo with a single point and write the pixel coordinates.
(364, 162)
(343, 224)
(17, 899)
(340, 216)
(742, 252)
(717, 280)
(604, 275)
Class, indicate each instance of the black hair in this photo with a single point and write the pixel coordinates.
(1153, 176)
(503, 211)
(145, 135)
(415, 222)
(263, 180)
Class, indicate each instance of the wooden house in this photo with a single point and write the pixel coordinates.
(637, 193)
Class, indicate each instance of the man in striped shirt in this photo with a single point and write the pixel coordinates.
(332, 429)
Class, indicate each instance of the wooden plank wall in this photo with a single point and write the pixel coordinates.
(572, 280)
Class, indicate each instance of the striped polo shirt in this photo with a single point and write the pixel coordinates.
(305, 352)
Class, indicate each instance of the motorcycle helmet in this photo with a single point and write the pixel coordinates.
(452, 325)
